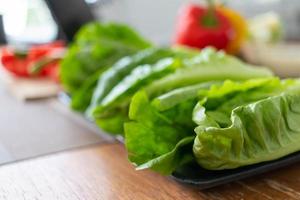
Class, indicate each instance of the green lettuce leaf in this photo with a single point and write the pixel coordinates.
(205, 66)
(111, 77)
(180, 155)
(115, 105)
(97, 46)
(82, 97)
(246, 123)
(94, 89)
(160, 137)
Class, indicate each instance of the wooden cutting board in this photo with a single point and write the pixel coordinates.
(29, 88)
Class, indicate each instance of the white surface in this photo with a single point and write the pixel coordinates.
(282, 59)
(25, 89)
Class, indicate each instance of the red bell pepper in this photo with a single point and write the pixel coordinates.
(203, 26)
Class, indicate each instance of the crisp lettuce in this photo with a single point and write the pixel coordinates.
(235, 125)
(205, 66)
(245, 123)
(114, 107)
(111, 77)
(109, 107)
(161, 137)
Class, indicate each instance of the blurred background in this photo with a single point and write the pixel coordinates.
(31, 21)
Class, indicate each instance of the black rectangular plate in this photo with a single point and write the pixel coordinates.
(193, 174)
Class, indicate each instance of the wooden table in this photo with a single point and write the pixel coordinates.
(102, 172)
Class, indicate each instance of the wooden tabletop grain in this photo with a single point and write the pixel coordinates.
(103, 172)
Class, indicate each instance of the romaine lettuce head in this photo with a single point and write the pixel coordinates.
(181, 71)
(245, 123)
(97, 46)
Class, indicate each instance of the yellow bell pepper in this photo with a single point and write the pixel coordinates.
(239, 24)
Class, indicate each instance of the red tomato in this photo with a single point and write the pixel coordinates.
(13, 63)
(20, 65)
(39, 51)
(51, 70)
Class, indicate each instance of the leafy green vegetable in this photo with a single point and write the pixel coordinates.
(82, 98)
(174, 97)
(169, 162)
(239, 123)
(86, 97)
(206, 66)
(140, 76)
(120, 95)
(161, 138)
(245, 123)
(97, 46)
(111, 77)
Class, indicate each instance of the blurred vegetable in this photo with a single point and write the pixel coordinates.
(240, 27)
(81, 99)
(39, 60)
(112, 80)
(15, 63)
(48, 66)
(97, 46)
(114, 106)
(200, 27)
(123, 67)
(265, 28)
